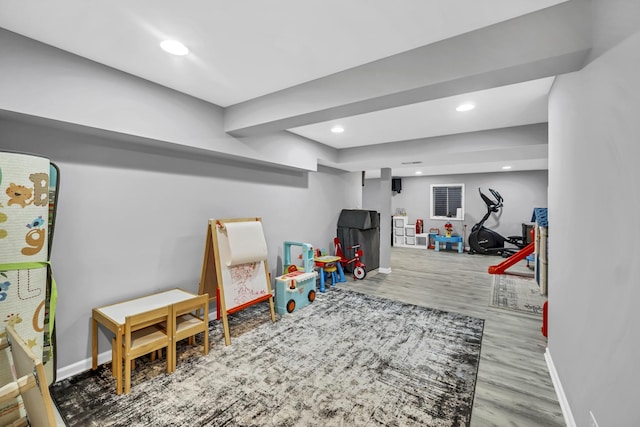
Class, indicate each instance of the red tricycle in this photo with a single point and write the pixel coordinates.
(358, 266)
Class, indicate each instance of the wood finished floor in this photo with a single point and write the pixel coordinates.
(514, 387)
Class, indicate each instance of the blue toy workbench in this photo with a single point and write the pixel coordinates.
(449, 240)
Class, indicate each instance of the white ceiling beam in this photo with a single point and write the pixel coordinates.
(494, 146)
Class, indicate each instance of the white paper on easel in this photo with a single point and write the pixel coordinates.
(246, 242)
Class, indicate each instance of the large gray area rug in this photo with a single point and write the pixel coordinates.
(516, 293)
(347, 359)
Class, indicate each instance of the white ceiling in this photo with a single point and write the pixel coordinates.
(243, 50)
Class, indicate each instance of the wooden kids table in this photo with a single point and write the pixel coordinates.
(113, 318)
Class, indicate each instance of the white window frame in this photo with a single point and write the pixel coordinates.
(432, 204)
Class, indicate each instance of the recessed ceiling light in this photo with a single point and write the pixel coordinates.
(506, 167)
(418, 173)
(337, 129)
(174, 47)
(465, 107)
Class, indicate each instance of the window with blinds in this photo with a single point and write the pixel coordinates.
(447, 201)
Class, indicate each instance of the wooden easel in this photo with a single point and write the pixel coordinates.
(216, 275)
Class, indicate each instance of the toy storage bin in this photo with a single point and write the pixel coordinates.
(422, 239)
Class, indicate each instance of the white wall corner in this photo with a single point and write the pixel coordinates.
(557, 385)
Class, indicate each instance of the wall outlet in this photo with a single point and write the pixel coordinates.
(592, 420)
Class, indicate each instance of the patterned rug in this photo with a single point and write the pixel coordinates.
(521, 294)
(347, 359)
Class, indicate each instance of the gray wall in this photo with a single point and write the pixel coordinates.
(522, 191)
(594, 201)
(142, 170)
(132, 222)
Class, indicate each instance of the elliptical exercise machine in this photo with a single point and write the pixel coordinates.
(485, 241)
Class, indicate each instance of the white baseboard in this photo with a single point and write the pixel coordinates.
(81, 366)
(562, 398)
(384, 270)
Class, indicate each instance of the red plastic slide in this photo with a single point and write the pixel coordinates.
(512, 260)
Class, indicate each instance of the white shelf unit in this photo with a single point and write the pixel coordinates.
(404, 234)
(399, 228)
